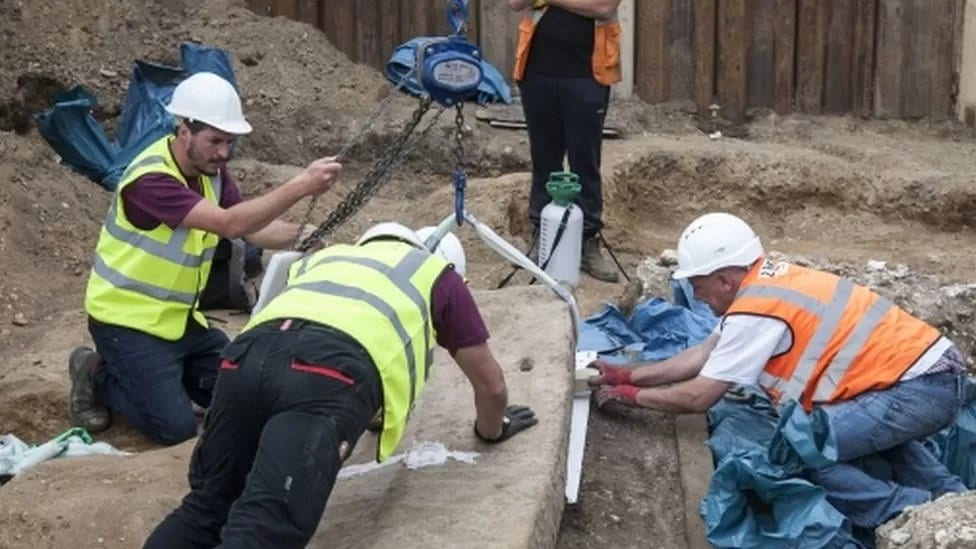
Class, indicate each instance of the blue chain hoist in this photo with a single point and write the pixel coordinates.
(450, 71)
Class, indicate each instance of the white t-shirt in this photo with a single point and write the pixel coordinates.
(747, 342)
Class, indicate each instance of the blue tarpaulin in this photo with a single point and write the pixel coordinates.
(80, 140)
(493, 88)
(655, 330)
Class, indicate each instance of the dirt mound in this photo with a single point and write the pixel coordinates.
(300, 93)
(946, 523)
(49, 220)
(792, 185)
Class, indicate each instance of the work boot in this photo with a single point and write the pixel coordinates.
(84, 409)
(594, 264)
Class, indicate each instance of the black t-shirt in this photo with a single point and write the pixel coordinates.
(562, 45)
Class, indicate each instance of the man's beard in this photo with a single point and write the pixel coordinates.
(200, 164)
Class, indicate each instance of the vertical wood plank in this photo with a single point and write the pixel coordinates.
(840, 41)
(890, 55)
(367, 27)
(260, 7)
(943, 59)
(810, 55)
(307, 11)
(703, 54)
(284, 8)
(625, 16)
(474, 19)
(499, 35)
(734, 39)
(785, 57)
(389, 28)
(419, 19)
(344, 12)
(680, 66)
(651, 61)
(862, 60)
(436, 17)
(762, 54)
(327, 20)
(919, 21)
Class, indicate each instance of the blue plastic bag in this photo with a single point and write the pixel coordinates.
(80, 140)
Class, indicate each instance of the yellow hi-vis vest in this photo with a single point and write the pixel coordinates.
(151, 280)
(380, 295)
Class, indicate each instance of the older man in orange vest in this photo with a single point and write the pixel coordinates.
(883, 378)
(567, 58)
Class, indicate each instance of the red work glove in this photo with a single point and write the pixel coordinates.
(619, 393)
(609, 374)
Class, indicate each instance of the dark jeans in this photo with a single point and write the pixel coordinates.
(886, 425)
(565, 118)
(151, 382)
(264, 467)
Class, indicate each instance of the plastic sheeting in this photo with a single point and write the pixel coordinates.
(493, 87)
(81, 142)
(17, 456)
(655, 330)
(754, 503)
(759, 457)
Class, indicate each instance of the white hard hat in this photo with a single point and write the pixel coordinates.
(714, 241)
(208, 98)
(390, 229)
(449, 248)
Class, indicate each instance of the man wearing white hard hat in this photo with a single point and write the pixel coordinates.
(880, 377)
(155, 353)
(351, 334)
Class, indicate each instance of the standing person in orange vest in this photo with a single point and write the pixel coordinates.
(883, 378)
(568, 56)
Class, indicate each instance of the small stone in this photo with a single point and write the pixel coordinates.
(526, 364)
(874, 265)
(107, 73)
(20, 320)
(100, 540)
(507, 150)
(65, 205)
(35, 363)
(615, 518)
(899, 537)
(668, 257)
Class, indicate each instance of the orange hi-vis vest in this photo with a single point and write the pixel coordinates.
(606, 47)
(846, 339)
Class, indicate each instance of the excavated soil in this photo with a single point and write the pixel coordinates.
(839, 193)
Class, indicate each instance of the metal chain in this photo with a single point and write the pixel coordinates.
(350, 142)
(377, 176)
(459, 136)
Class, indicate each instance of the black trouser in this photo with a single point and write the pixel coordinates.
(263, 469)
(565, 118)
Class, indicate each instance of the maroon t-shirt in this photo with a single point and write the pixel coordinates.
(455, 315)
(159, 198)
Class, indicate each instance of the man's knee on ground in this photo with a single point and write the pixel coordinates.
(172, 426)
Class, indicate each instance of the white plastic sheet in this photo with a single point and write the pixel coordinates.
(17, 456)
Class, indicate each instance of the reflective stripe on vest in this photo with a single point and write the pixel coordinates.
(400, 276)
(846, 338)
(146, 279)
(829, 313)
(171, 251)
(380, 295)
(119, 280)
